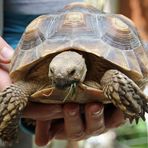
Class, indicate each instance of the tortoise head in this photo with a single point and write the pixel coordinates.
(67, 68)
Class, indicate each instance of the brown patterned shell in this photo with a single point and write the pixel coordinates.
(112, 38)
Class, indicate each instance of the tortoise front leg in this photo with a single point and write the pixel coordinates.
(124, 94)
(12, 101)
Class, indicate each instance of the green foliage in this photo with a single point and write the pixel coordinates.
(132, 135)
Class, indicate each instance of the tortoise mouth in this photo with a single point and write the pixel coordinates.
(64, 83)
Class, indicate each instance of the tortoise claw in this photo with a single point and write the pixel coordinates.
(143, 118)
(137, 120)
(131, 120)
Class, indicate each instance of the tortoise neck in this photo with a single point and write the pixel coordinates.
(29, 87)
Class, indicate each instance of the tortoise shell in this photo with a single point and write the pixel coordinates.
(106, 40)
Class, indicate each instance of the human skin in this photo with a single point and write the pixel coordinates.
(61, 121)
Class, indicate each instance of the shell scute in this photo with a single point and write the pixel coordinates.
(32, 39)
(117, 57)
(117, 33)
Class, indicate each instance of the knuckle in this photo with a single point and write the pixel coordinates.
(95, 132)
(98, 115)
(77, 136)
(95, 128)
(98, 132)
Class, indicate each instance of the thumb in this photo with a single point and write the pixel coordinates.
(6, 55)
(6, 52)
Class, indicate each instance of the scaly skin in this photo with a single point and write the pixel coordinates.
(124, 94)
(12, 101)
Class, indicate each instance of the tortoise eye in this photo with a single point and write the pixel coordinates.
(72, 72)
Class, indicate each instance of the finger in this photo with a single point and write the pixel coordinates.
(6, 51)
(94, 119)
(113, 117)
(4, 80)
(4, 60)
(5, 67)
(58, 129)
(73, 123)
(3, 43)
(94, 122)
(38, 111)
(6, 54)
(42, 133)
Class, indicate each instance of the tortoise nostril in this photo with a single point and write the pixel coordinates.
(61, 83)
(72, 72)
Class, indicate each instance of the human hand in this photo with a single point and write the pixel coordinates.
(73, 127)
(6, 53)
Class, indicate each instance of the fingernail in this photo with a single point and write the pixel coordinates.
(72, 113)
(7, 53)
(73, 110)
(97, 113)
(96, 110)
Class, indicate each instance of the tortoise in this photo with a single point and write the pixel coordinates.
(78, 54)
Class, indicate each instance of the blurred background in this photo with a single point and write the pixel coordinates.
(127, 136)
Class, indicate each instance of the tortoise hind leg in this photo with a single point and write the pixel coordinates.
(124, 94)
(12, 102)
